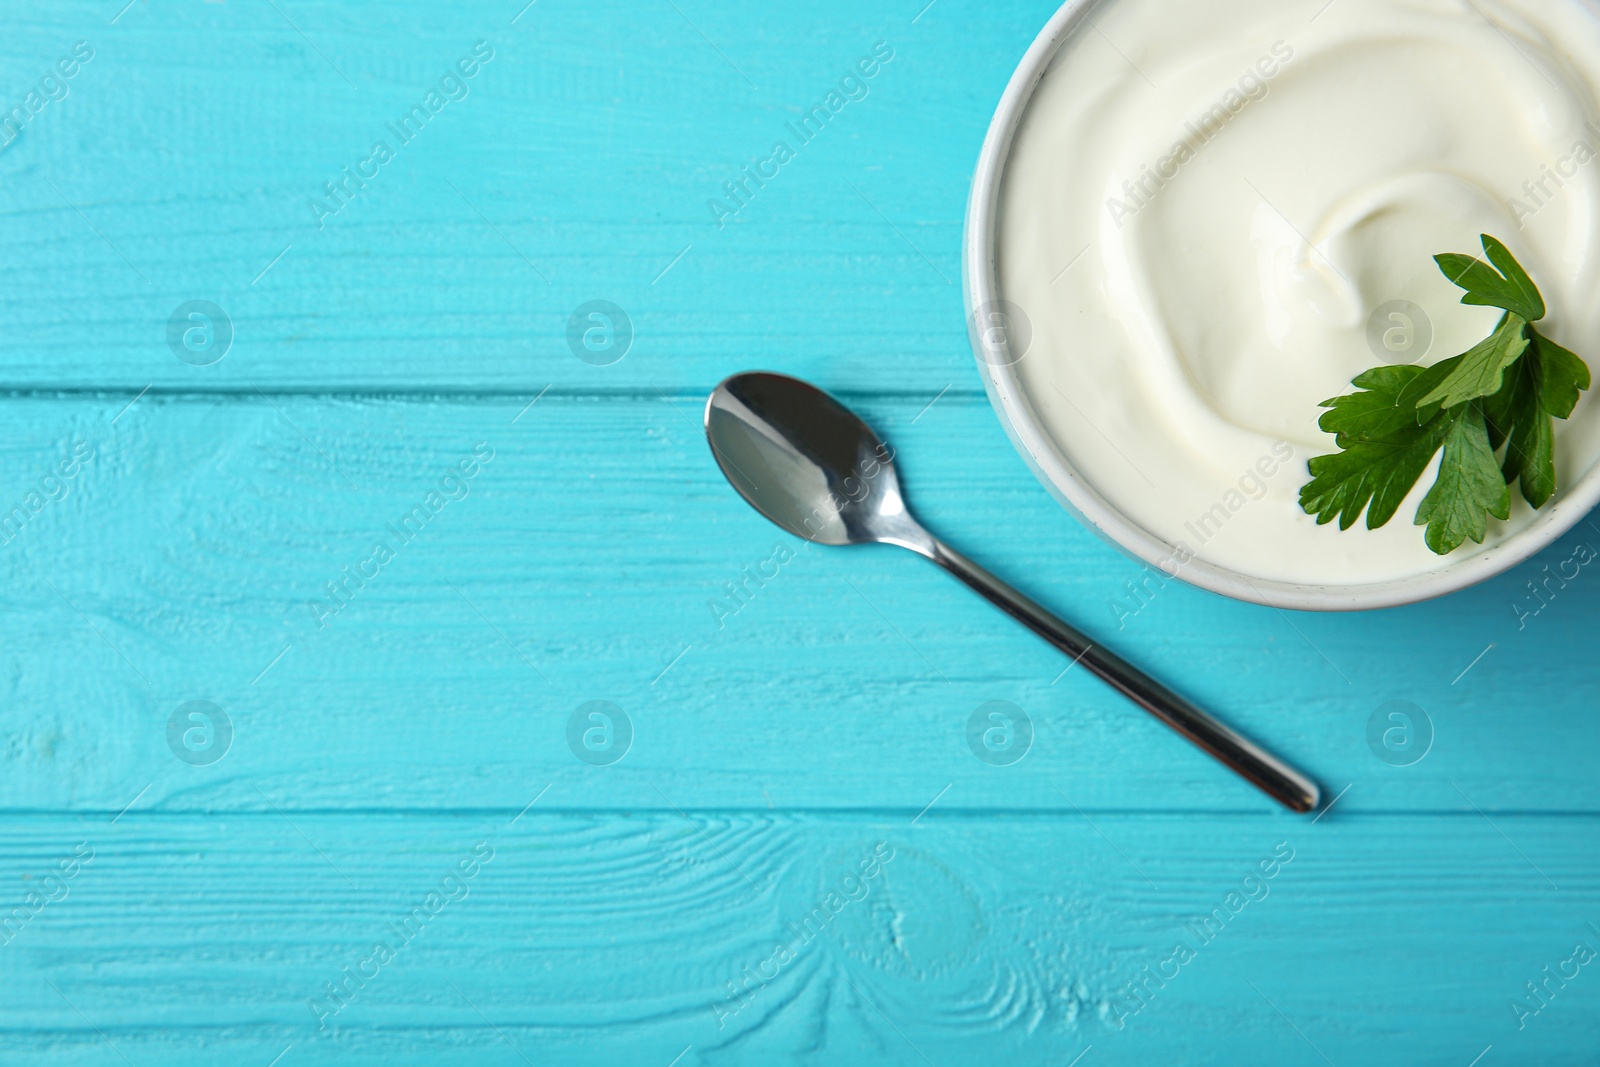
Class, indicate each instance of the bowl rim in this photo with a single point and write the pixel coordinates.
(980, 287)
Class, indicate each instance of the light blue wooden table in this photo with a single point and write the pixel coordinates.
(399, 858)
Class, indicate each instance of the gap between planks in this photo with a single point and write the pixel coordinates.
(461, 396)
(941, 814)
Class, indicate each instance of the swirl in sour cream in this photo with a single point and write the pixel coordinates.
(1217, 213)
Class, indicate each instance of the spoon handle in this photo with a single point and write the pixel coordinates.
(1271, 775)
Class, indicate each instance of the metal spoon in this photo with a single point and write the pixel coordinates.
(809, 464)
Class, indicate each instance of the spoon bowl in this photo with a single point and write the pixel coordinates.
(808, 463)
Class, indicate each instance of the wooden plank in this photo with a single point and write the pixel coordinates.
(578, 165)
(1377, 939)
(580, 564)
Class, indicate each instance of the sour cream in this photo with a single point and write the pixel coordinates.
(1218, 212)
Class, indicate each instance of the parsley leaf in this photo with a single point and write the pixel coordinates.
(1479, 372)
(1509, 288)
(1388, 404)
(1565, 376)
(1514, 418)
(1470, 487)
(1542, 386)
(1385, 450)
(1503, 392)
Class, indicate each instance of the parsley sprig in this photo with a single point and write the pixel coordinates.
(1503, 392)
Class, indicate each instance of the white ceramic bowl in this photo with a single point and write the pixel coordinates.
(1056, 470)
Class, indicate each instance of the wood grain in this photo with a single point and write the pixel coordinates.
(578, 166)
(581, 565)
(1381, 939)
(377, 349)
